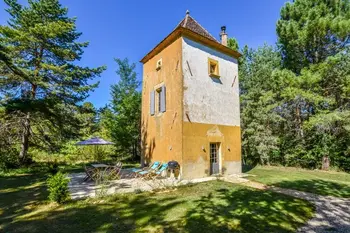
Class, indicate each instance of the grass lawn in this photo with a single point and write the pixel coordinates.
(320, 182)
(214, 206)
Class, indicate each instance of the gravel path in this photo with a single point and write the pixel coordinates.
(332, 213)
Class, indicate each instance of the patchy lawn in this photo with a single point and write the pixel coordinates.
(335, 184)
(214, 206)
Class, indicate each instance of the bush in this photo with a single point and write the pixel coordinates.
(53, 167)
(58, 187)
(8, 158)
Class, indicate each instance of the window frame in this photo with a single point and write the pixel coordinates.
(158, 99)
(216, 73)
(159, 64)
(159, 91)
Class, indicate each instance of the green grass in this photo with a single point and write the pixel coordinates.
(320, 182)
(214, 206)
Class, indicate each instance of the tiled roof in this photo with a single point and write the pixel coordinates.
(191, 24)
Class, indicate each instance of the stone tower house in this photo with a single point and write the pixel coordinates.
(190, 102)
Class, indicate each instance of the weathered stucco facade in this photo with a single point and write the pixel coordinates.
(200, 109)
(161, 133)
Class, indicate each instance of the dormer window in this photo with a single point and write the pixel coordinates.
(213, 68)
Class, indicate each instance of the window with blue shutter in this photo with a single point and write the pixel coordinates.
(163, 99)
(152, 103)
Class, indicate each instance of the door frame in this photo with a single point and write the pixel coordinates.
(218, 157)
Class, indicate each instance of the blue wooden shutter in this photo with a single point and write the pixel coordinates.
(163, 99)
(152, 108)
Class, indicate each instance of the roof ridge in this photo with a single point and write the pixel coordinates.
(186, 18)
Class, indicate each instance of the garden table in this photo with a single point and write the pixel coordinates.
(94, 171)
(101, 171)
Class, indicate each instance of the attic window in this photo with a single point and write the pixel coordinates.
(213, 68)
(159, 64)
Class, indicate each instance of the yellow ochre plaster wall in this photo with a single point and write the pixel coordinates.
(161, 134)
(196, 140)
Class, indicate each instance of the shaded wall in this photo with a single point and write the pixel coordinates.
(162, 133)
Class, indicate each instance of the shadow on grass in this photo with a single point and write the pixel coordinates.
(19, 194)
(246, 168)
(317, 186)
(245, 210)
(207, 207)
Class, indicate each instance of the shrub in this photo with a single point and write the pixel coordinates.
(53, 167)
(58, 187)
(8, 158)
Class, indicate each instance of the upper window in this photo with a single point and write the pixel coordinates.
(159, 98)
(159, 64)
(213, 68)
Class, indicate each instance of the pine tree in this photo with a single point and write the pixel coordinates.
(38, 64)
(309, 31)
(312, 36)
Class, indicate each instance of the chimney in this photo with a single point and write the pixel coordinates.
(223, 36)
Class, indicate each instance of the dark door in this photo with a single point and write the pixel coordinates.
(214, 158)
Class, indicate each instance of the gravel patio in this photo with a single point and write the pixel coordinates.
(80, 189)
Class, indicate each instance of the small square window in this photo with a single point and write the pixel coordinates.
(213, 68)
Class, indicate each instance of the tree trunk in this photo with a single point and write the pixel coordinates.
(26, 131)
(25, 139)
(325, 163)
(26, 126)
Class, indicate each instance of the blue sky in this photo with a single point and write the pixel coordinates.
(117, 28)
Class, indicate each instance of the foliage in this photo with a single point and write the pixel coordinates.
(8, 150)
(295, 98)
(258, 100)
(233, 43)
(41, 80)
(123, 117)
(310, 31)
(88, 116)
(58, 187)
(72, 154)
(53, 167)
